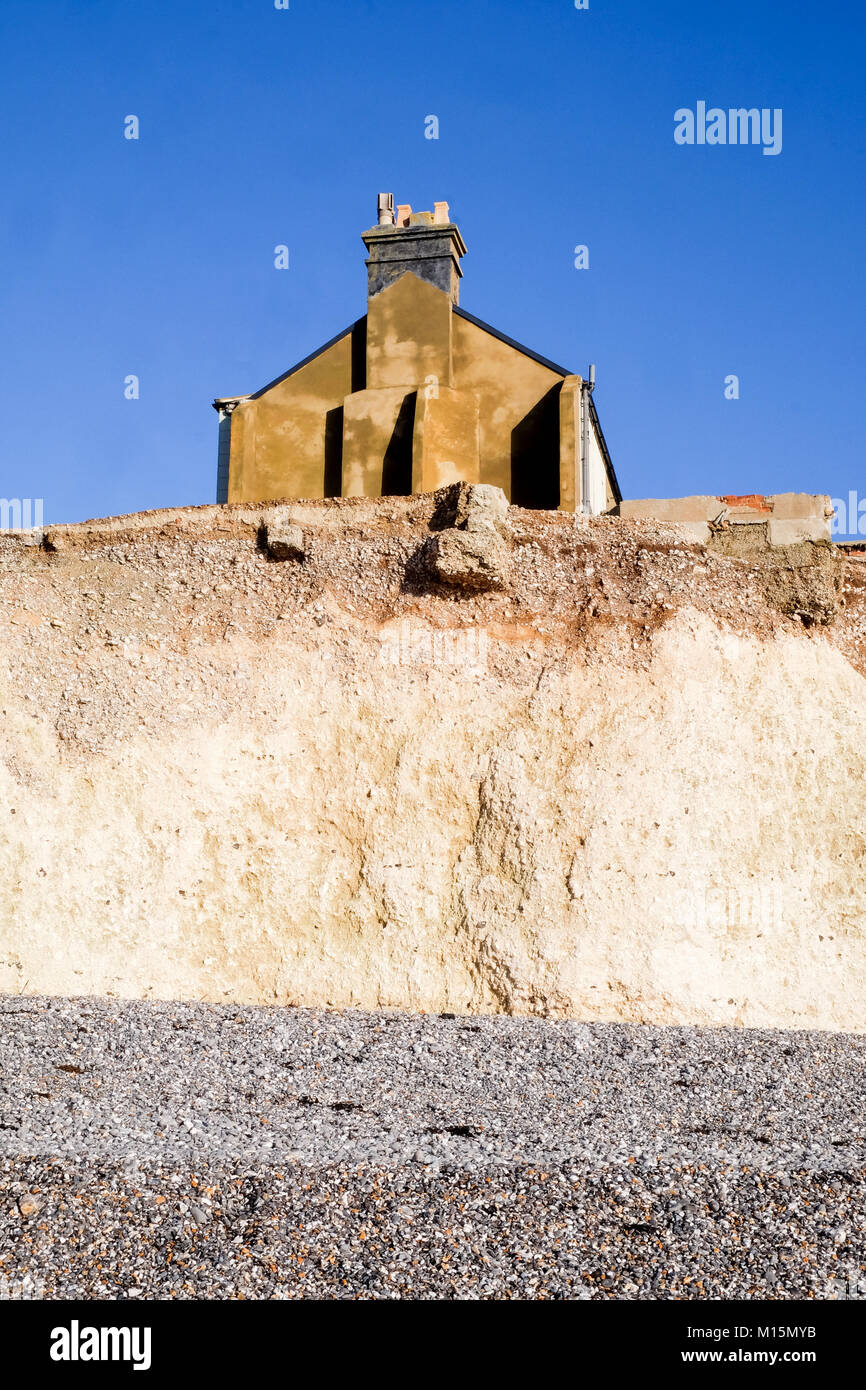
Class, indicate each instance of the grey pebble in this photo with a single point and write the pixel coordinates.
(209, 1151)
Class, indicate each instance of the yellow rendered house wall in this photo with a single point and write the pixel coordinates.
(278, 439)
(508, 385)
(476, 393)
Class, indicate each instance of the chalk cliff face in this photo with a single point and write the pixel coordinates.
(621, 784)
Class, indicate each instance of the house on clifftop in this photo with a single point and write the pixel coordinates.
(417, 394)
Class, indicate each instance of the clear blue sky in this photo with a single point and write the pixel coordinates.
(260, 126)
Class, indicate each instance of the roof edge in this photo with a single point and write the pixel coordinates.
(512, 342)
(254, 395)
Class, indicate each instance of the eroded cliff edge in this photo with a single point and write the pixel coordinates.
(626, 782)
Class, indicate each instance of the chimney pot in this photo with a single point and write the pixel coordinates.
(386, 209)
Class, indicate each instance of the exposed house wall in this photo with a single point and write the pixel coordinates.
(518, 412)
(417, 395)
(389, 443)
(602, 475)
(225, 436)
(444, 399)
(601, 496)
(446, 442)
(409, 335)
(281, 438)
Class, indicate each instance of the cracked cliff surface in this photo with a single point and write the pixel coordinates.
(626, 784)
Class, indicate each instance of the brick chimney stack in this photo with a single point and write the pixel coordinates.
(428, 244)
